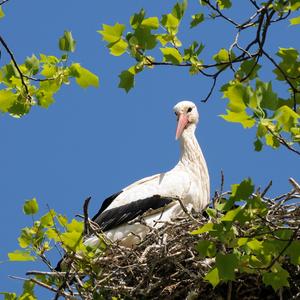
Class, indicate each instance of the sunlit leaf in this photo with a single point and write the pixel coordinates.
(112, 34)
(170, 22)
(20, 255)
(1, 13)
(84, 77)
(7, 99)
(172, 55)
(213, 277)
(231, 215)
(118, 48)
(237, 97)
(152, 23)
(295, 21)
(205, 228)
(30, 207)
(71, 239)
(286, 117)
(239, 117)
(66, 42)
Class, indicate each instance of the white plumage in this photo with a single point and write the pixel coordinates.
(153, 197)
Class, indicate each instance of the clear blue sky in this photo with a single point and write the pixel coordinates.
(94, 142)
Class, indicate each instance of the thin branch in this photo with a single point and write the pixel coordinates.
(16, 65)
(86, 216)
(282, 141)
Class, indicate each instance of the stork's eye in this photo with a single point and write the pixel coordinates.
(175, 113)
(189, 109)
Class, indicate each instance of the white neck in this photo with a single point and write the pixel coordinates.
(192, 159)
(190, 150)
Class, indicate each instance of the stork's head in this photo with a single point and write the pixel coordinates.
(187, 114)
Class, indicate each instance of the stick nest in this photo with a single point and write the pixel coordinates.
(166, 265)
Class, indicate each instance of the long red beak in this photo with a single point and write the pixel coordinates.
(181, 124)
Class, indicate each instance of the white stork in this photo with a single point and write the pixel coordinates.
(154, 197)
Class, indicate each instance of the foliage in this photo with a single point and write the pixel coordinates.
(248, 238)
(39, 78)
(154, 41)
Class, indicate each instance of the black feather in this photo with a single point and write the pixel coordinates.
(105, 204)
(114, 217)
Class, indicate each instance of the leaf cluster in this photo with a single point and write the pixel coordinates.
(39, 78)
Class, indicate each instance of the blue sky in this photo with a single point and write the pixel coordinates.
(93, 142)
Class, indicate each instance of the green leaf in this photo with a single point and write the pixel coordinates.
(47, 219)
(243, 190)
(20, 255)
(213, 277)
(205, 228)
(206, 248)
(172, 55)
(272, 141)
(223, 57)
(30, 207)
(112, 34)
(226, 265)
(151, 23)
(197, 19)
(75, 226)
(179, 9)
(265, 95)
(255, 245)
(9, 296)
(294, 252)
(286, 117)
(224, 4)
(25, 239)
(239, 117)
(258, 145)
(170, 22)
(1, 13)
(237, 95)
(231, 215)
(66, 42)
(278, 278)
(28, 291)
(137, 19)
(53, 234)
(71, 239)
(146, 40)
(45, 98)
(49, 70)
(126, 80)
(249, 69)
(32, 64)
(295, 21)
(118, 48)
(84, 77)
(7, 99)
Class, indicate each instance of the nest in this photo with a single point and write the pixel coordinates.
(166, 265)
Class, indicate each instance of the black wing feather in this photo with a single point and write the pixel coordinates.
(114, 217)
(105, 204)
